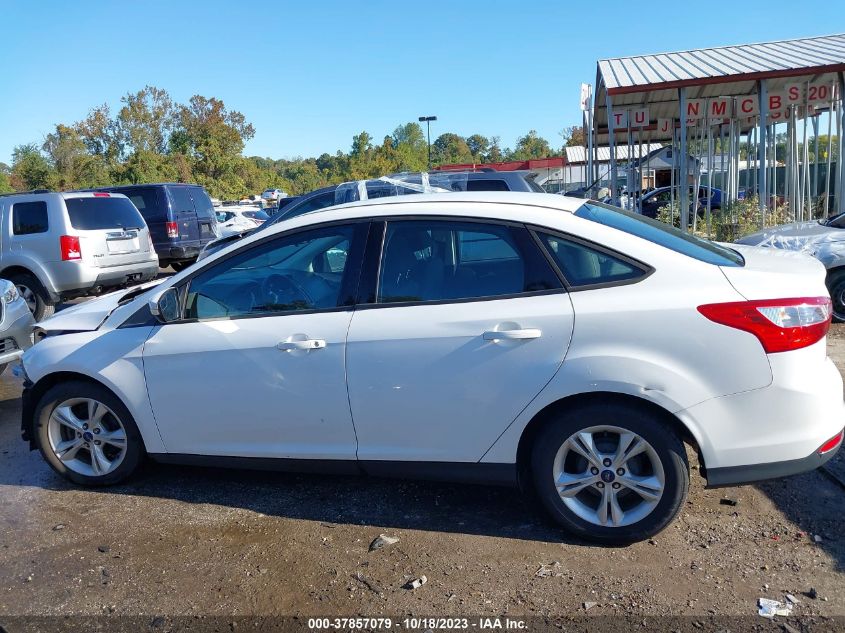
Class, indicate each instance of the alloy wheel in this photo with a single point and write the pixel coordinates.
(609, 476)
(87, 436)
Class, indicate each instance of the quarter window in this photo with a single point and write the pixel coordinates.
(585, 266)
(303, 271)
(29, 217)
(441, 261)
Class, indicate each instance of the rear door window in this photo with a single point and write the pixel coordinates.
(202, 203)
(95, 213)
(439, 260)
(29, 217)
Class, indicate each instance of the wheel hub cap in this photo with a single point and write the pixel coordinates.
(87, 436)
(608, 476)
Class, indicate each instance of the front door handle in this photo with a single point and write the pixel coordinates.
(305, 344)
(513, 335)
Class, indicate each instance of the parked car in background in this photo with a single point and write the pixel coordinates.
(281, 204)
(180, 217)
(662, 197)
(57, 246)
(822, 239)
(16, 323)
(272, 195)
(233, 219)
(394, 185)
(465, 364)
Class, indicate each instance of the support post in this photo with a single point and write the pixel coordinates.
(762, 190)
(683, 172)
(611, 142)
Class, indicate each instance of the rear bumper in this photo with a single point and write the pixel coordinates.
(774, 431)
(735, 475)
(180, 253)
(73, 279)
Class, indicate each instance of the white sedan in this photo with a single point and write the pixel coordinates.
(551, 342)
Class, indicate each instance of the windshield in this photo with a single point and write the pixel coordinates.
(660, 233)
(94, 213)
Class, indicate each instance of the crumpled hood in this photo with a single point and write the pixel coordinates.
(89, 315)
(825, 243)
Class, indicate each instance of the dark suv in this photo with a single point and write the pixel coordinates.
(180, 217)
(394, 185)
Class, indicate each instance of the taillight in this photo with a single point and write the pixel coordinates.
(150, 240)
(832, 443)
(101, 194)
(172, 230)
(781, 325)
(69, 245)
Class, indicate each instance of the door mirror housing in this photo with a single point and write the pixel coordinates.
(165, 305)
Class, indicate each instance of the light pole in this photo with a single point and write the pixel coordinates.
(428, 120)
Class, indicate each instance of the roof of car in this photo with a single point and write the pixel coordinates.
(548, 200)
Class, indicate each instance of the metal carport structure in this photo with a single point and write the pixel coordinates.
(741, 90)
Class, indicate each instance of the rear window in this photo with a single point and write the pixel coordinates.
(91, 214)
(202, 203)
(180, 199)
(496, 184)
(661, 234)
(146, 201)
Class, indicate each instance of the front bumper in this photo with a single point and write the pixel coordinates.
(15, 331)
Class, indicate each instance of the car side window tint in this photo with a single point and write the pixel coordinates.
(180, 199)
(441, 260)
(29, 217)
(303, 271)
(585, 266)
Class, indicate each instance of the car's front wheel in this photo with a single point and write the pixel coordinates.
(86, 434)
(610, 472)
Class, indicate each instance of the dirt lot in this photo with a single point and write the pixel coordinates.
(190, 541)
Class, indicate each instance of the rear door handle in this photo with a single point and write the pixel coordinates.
(309, 343)
(513, 335)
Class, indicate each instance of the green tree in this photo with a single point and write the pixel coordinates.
(530, 146)
(411, 148)
(30, 170)
(73, 166)
(145, 122)
(450, 149)
(5, 178)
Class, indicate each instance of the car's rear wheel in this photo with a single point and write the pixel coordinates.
(610, 472)
(836, 288)
(34, 294)
(180, 266)
(87, 435)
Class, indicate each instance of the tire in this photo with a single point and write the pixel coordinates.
(180, 266)
(554, 460)
(34, 294)
(836, 287)
(49, 432)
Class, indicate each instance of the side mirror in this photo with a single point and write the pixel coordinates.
(165, 306)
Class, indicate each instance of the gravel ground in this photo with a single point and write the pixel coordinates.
(191, 541)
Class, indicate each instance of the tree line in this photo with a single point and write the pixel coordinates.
(151, 138)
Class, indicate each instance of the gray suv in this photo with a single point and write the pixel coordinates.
(57, 246)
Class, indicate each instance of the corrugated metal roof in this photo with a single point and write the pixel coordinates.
(578, 154)
(728, 63)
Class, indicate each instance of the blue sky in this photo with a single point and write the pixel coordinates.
(310, 75)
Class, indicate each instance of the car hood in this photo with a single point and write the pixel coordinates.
(770, 274)
(825, 243)
(89, 315)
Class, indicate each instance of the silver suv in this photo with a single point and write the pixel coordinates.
(57, 246)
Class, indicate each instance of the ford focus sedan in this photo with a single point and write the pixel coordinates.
(561, 345)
